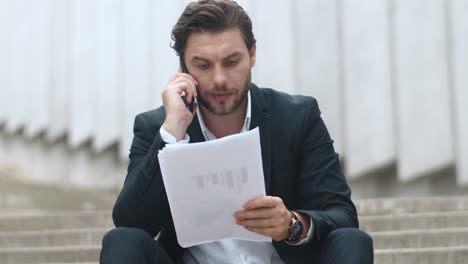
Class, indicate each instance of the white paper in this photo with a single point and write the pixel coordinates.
(206, 183)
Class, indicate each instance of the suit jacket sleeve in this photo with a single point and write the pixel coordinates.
(142, 202)
(323, 191)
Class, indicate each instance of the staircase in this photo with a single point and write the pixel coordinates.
(57, 226)
(412, 231)
(44, 223)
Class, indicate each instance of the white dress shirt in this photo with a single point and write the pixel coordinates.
(233, 251)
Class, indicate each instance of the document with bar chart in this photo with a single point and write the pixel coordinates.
(206, 183)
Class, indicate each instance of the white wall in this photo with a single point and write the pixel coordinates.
(389, 76)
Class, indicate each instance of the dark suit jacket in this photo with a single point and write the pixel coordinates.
(299, 163)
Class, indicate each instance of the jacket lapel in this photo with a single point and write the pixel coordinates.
(261, 117)
(194, 131)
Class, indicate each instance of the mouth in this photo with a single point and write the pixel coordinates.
(221, 96)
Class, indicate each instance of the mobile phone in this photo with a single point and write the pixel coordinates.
(184, 69)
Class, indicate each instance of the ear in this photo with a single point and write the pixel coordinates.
(253, 53)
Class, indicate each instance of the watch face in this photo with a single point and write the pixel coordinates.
(297, 230)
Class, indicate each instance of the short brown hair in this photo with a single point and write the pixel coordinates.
(211, 16)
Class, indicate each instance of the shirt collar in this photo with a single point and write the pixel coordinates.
(207, 133)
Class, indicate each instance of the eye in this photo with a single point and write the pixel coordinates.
(203, 66)
(231, 62)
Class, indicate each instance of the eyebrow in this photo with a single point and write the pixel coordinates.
(234, 54)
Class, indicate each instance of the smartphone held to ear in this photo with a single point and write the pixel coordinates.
(189, 106)
(184, 69)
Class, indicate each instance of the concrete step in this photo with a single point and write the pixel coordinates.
(446, 237)
(59, 220)
(70, 254)
(411, 205)
(93, 236)
(20, 192)
(65, 254)
(414, 221)
(35, 229)
(437, 255)
(47, 238)
(100, 219)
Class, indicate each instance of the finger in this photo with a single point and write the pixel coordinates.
(188, 97)
(187, 77)
(190, 77)
(190, 93)
(182, 87)
(194, 90)
(184, 78)
(255, 214)
(185, 85)
(180, 77)
(266, 201)
(175, 75)
(263, 223)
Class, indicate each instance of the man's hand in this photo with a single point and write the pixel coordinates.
(267, 216)
(178, 116)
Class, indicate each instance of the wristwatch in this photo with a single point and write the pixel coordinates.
(295, 229)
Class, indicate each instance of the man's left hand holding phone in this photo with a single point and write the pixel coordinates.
(178, 112)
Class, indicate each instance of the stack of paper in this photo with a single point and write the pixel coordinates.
(206, 183)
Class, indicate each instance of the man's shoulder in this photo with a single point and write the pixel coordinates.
(154, 117)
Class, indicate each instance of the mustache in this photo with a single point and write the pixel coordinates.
(217, 88)
(221, 88)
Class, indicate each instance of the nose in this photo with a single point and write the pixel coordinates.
(220, 78)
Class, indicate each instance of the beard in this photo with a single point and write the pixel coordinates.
(202, 99)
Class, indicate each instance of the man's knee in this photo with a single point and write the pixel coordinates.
(123, 245)
(348, 245)
(124, 235)
(351, 236)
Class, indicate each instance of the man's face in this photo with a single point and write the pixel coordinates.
(221, 64)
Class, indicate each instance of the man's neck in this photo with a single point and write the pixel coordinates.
(225, 125)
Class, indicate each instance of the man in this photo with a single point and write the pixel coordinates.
(307, 211)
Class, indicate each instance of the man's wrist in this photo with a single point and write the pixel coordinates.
(295, 229)
(176, 129)
(170, 139)
(305, 220)
(302, 220)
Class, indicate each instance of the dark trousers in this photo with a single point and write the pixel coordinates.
(132, 245)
